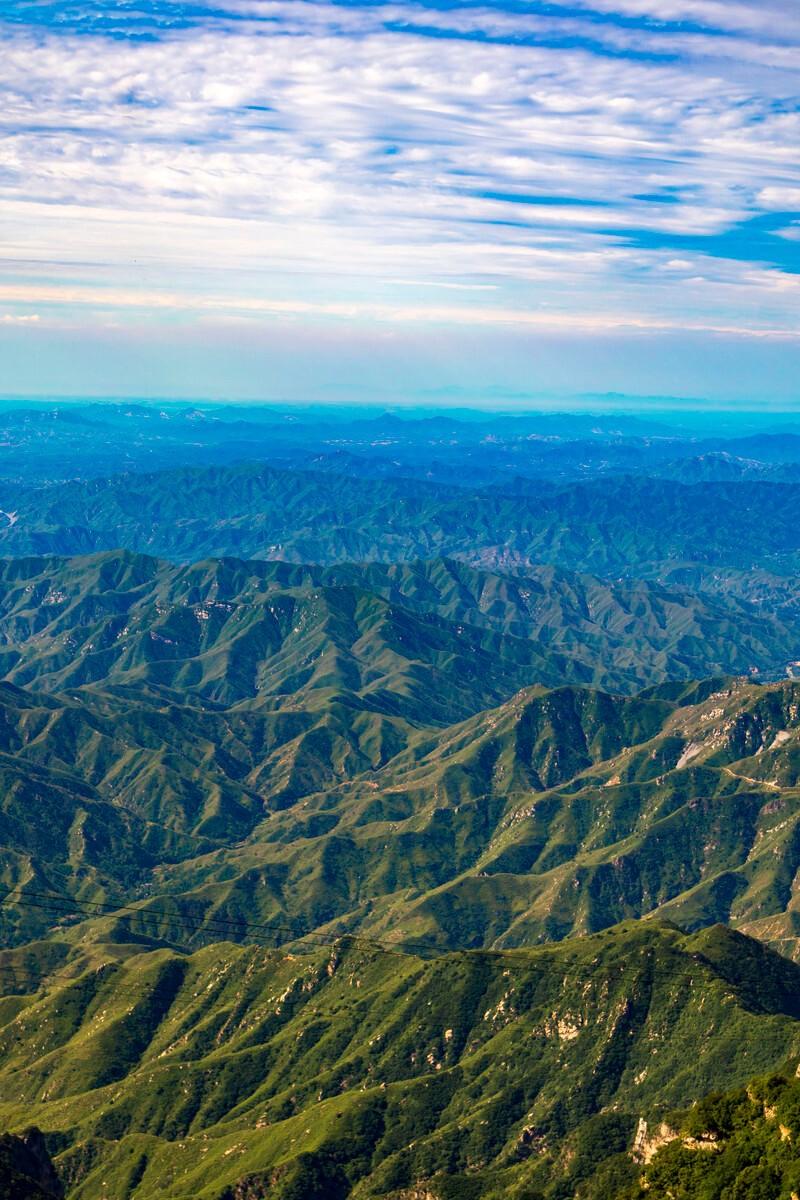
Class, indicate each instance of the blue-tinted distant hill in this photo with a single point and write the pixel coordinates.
(53, 441)
(622, 526)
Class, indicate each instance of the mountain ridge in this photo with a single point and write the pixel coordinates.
(561, 811)
(427, 836)
(623, 525)
(70, 622)
(392, 1073)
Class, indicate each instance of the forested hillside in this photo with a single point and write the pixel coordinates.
(367, 834)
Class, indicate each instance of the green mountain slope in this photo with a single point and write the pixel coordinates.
(622, 525)
(561, 811)
(225, 632)
(352, 1072)
(430, 838)
(437, 640)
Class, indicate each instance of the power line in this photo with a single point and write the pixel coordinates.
(222, 927)
(64, 904)
(219, 925)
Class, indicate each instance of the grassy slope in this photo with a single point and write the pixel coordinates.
(178, 1077)
(561, 811)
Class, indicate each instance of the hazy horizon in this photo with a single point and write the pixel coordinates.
(322, 201)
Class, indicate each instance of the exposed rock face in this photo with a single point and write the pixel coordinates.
(645, 1147)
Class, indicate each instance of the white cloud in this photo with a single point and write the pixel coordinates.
(757, 19)
(782, 199)
(228, 305)
(320, 155)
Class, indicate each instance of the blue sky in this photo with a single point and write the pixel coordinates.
(292, 199)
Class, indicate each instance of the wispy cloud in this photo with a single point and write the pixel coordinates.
(572, 162)
(165, 301)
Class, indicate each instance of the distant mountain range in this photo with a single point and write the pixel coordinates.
(628, 526)
(411, 811)
(46, 441)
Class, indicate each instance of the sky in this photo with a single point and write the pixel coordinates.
(401, 202)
